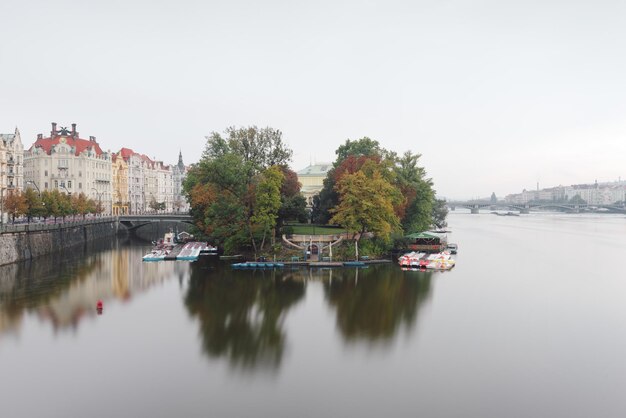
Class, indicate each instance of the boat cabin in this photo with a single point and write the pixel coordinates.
(425, 242)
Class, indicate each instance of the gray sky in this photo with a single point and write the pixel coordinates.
(496, 95)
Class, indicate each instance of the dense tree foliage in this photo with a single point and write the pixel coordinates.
(367, 202)
(241, 191)
(416, 210)
(238, 190)
(293, 204)
(266, 205)
(440, 213)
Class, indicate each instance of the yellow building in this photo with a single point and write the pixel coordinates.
(120, 186)
(312, 180)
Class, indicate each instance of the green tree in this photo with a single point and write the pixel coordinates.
(577, 200)
(221, 187)
(153, 204)
(417, 211)
(52, 202)
(366, 204)
(293, 204)
(34, 203)
(267, 205)
(65, 205)
(364, 147)
(80, 204)
(440, 213)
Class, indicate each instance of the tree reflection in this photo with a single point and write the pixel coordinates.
(373, 303)
(241, 313)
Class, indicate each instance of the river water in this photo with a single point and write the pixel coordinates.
(530, 323)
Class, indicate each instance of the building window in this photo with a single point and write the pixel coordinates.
(80, 185)
(46, 185)
(69, 184)
(46, 173)
(56, 184)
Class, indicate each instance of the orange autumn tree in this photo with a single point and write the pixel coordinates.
(367, 201)
(15, 204)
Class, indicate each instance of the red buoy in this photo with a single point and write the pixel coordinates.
(99, 305)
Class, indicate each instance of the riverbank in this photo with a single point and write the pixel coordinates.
(27, 241)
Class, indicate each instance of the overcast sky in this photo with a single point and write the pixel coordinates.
(496, 95)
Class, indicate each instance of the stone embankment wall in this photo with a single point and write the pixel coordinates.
(23, 242)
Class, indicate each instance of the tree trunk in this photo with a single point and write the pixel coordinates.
(252, 239)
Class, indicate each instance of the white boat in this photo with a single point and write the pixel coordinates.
(440, 261)
(156, 255)
(191, 251)
(209, 250)
(411, 259)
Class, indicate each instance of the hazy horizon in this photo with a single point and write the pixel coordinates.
(495, 95)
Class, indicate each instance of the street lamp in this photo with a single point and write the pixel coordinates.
(34, 184)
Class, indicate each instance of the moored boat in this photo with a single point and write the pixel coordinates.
(156, 255)
(440, 261)
(411, 259)
(354, 264)
(191, 251)
(257, 265)
(208, 250)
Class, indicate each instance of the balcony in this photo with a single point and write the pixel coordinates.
(10, 161)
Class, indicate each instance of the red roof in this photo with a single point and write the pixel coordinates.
(126, 153)
(79, 144)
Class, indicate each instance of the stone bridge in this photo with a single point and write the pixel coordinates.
(132, 222)
(475, 207)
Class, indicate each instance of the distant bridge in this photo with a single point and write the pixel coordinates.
(475, 207)
(132, 222)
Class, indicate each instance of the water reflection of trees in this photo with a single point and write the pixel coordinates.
(372, 304)
(241, 313)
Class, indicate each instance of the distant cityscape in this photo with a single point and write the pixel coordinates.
(593, 194)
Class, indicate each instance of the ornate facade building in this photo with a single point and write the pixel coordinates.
(120, 194)
(11, 162)
(136, 189)
(70, 164)
(11, 167)
(124, 183)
